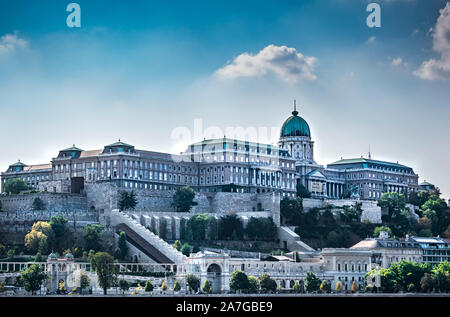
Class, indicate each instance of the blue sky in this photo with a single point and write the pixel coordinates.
(139, 70)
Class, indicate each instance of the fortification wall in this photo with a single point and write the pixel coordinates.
(52, 202)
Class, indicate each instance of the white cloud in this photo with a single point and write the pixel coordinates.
(285, 62)
(397, 61)
(439, 68)
(10, 42)
(371, 39)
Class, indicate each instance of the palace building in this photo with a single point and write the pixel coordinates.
(224, 164)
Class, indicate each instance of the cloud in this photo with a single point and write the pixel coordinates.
(438, 68)
(10, 42)
(371, 39)
(397, 61)
(286, 63)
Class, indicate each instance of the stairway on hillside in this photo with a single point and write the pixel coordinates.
(162, 246)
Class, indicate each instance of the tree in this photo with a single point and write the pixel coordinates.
(122, 247)
(38, 204)
(325, 287)
(183, 199)
(394, 202)
(339, 286)
(92, 236)
(231, 226)
(302, 192)
(186, 249)
(103, 264)
(312, 282)
(198, 225)
(128, 200)
(62, 238)
(177, 286)
(355, 287)
(85, 281)
(253, 285)
(427, 283)
(33, 241)
(15, 186)
(164, 286)
(261, 229)
(296, 287)
(124, 286)
(38, 257)
(239, 282)
(418, 198)
(267, 283)
(291, 211)
(376, 232)
(32, 278)
(177, 245)
(193, 282)
(207, 287)
(148, 286)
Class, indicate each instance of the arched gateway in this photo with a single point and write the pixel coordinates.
(214, 275)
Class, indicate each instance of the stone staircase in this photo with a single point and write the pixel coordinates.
(292, 241)
(162, 246)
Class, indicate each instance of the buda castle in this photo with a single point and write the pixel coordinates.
(222, 165)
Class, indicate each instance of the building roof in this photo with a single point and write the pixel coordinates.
(73, 148)
(38, 167)
(295, 126)
(425, 183)
(366, 160)
(119, 143)
(19, 163)
(90, 153)
(367, 243)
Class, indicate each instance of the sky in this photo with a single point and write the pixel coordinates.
(162, 74)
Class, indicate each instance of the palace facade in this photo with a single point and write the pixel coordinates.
(223, 165)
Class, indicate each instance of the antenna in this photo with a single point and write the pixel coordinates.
(295, 112)
(370, 154)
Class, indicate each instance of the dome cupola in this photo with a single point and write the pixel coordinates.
(295, 126)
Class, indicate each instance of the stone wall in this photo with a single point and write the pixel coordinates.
(52, 201)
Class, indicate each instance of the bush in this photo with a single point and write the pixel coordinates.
(411, 288)
(177, 245)
(128, 200)
(267, 283)
(239, 282)
(312, 282)
(186, 249)
(261, 229)
(231, 227)
(253, 285)
(207, 287)
(297, 288)
(164, 286)
(124, 286)
(325, 287)
(193, 282)
(148, 286)
(177, 286)
(38, 204)
(339, 286)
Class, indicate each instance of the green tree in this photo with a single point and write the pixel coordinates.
(325, 287)
(418, 198)
(122, 247)
(267, 283)
(207, 287)
(148, 286)
(229, 224)
(394, 202)
(124, 286)
(193, 282)
(128, 200)
(261, 229)
(85, 281)
(15, 186)
(253, 283)
(103, 264)
(291, 211)
(302, 192)
(376, 232)
(186, 249)
(62, 237)
(92, 236)
(296, 287)
(32, 278)
(38, 204)
(177, 286)
(239, 282)
(427, 283)
(183, 199)
(198, 225)
(177, 245)
(38, 257)
(312, 282)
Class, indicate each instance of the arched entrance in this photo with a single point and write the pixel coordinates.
(214, 275)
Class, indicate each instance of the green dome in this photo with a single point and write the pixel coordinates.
(295, 126)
